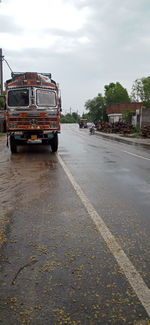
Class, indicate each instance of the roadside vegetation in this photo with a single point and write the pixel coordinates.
(141, 91)
(114, 93)
(137, 132)
(1, 102)
(70, 118)
(2, 122)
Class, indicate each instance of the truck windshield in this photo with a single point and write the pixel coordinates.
(46, 98)
(18, 97)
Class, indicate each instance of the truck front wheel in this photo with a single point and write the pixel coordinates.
(13, 144)
(54, 143)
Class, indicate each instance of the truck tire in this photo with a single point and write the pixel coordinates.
(1, 126)
(13, 144)
(54, 143)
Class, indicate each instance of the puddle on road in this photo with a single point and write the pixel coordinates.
(23, 178)
(111, 162)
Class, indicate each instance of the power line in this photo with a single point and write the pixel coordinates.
(1, 70)
(7, 64)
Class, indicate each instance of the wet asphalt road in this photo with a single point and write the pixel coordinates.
(55, 266)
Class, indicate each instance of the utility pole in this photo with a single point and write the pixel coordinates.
(1, 72)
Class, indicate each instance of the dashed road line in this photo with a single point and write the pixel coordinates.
(133, 154)
(129, 153)
(134, 278)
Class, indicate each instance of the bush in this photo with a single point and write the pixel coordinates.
(1, 102)
(137, 131)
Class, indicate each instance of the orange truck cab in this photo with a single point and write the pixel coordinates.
(33, 108)
(83, 123)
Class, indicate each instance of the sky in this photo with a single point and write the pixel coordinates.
(85, 44)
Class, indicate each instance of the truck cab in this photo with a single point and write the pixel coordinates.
(33, 109)
(83, 123)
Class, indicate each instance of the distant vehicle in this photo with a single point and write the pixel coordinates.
(83, 123)
(33, 106)
(92, 129)
(89, 124)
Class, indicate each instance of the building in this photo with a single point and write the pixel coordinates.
(115, 112)
(140, 116)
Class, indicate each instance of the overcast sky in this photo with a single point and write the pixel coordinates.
(85, 44)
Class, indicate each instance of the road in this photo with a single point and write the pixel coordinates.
(75, 232)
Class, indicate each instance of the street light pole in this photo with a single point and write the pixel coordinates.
(1, 72)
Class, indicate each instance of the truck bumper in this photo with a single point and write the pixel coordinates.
(32, 136)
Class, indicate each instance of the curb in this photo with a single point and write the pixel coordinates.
(123, 139)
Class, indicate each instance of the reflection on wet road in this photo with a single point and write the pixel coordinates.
(22, 176)
(56, 266)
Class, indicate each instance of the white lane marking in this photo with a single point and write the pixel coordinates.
(130, 153)
(133, 154)
(134, 278)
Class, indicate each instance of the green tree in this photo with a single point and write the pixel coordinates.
(86, 116)
(70, 118)
(2, 102)
(141, 91)
(76, 117)
(96, 108)
(127, 115)
(115, 93)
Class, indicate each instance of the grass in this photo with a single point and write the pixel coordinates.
(137, 132)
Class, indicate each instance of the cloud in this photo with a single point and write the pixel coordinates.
(85, 44)
(36, 15)
(7, 26)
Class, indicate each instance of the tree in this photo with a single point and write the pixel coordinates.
(86, 116)
(70, 118)
(2, 101)
(76, 117)
(96, 108)
(127, 115)
(115, 93)
(141, 91)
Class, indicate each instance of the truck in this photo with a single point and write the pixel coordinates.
(33, 108)
(83, 123)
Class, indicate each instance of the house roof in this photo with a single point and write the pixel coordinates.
(119, 108)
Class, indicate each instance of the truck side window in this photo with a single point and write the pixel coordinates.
(18, 97)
